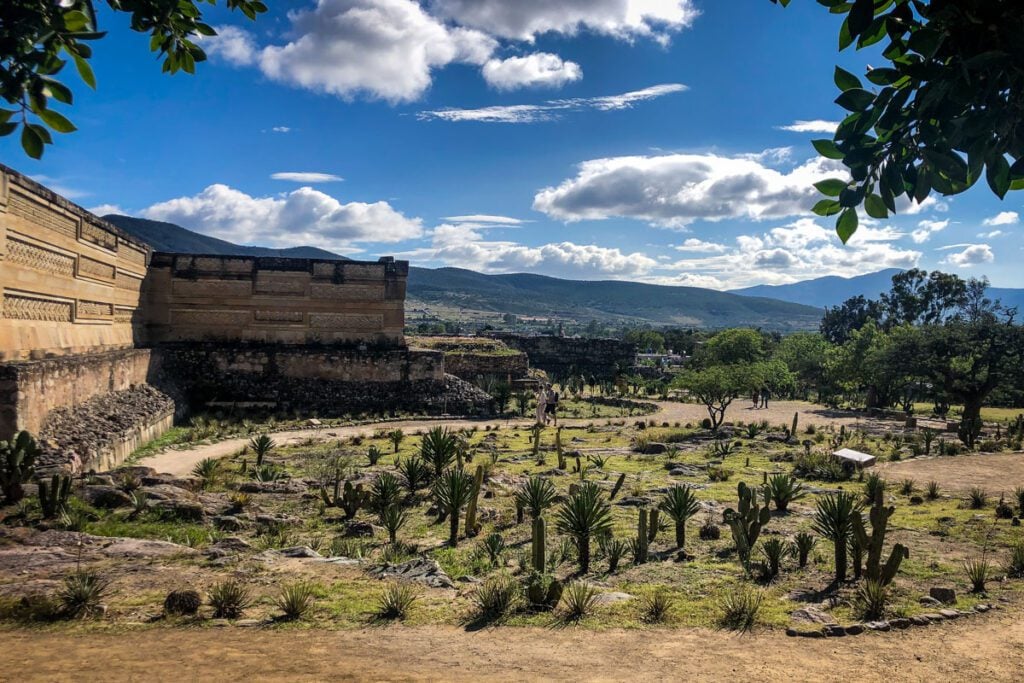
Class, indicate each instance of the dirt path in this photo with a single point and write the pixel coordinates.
(181, 462)
(995, 472)
(989, 648)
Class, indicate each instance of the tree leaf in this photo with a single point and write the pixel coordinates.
(846, 80)
(861, 15)
(846, 224)
(826, 207)
(997, 173)
(856, 99)
(827, 149)
(56, 121)
(875, 207)
(31, 142)
(84, 71)
(830, 187)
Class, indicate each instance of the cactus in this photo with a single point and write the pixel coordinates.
(17, 465)
(520, 512)
(538, 544)
(642, 540)
(796, 422)
(543, 590)
(873, 543)
(53, 498)
(472, 528)
(351, 499)
(618, 486)
(746, 522)
(558, 442)
(536, 439)
(652, 525)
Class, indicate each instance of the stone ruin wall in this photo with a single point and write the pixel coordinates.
(561, 356)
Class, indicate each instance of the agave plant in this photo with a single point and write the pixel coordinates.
(261, 446)
(872, 484)
(82, 593)
(783, 489)
(536, 495)
(452, 491)
(583, 515)
(396, 437)
(415, 472)
(207, 471)
(494, 546)
(386, 492)
(834, 521)
(680, 503)
(393, 518)
(439, 448)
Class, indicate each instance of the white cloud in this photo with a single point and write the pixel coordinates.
(700, 246)
(971, 255)
(525, 19)
(540, 69)
(303, 216)
(675, 189)
(1003, 218)
(484, 218)
(927, 228)
(552, 109)
(232, 44)
(815, 126)
(465, 247)
(281, 129)
(106, 210)
(992, 234)
(307, 177)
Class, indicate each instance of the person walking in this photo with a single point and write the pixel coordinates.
(552, 405)
(764, 398)
(757, 399)
(542, 406)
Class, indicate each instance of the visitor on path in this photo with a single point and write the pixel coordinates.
(542, 401)
(552, 405)
(757, 399)
(764, 398)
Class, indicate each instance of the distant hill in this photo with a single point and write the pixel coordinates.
(832, 291)
(174, 238)
(528, 295)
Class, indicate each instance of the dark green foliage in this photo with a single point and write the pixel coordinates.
(351, 499)
(977, 498)
(396, 600)
(746, 522)
(641, 543)
(579, 599)
(538, 544)
(496, 596)
(782, 489)
(53, 497)
(834, 520)
(907, 487)
(386, 492)
(393, 518)
(709, 531)
(680, 504)
(582, 516)
(182, 602)
(17, 465)
(206, 470)
(261, 446)
(873, 484)
(871, 600)
(439, 448)
(543, 591)
(978, 570)
(494, 546)
(1015, 567)
(296, 599)
(82, 594)
(373, 455)
(803, 544)
(622, 480)
(415, 473)
(229, 599)
(452, 490)
(774, 550)
(614, 549)
(472, 528)
(1003, 509)
(656, 606)
(932, 490)
(396, 437)
(739, 608)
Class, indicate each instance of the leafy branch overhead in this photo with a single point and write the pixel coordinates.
(947, 108)
(39, 37)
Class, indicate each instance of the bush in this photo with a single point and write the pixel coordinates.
(396, 601)
(615, 550)
(871, 600)
(977, 498)
(296, 599)
(1015, 567)
(578, 600)
(739, 608)
(907, 487)
(229, 600)
(719, 474)
(978, 572)
(709, 531)
(496, 596)
(932, 490)
(82, 594)
(182, 602)
(873, 484)
(655, 606)
(783, 489)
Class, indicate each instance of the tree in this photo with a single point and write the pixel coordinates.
(716, 387)
(946, 108)
(261, 445)
(733, 346)
(35, 35)
(841, 321)
(502, 394)
(921, 298)
(834, 520)
(804, 356)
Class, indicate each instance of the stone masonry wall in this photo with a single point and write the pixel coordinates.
(470, 366)
(561, 356)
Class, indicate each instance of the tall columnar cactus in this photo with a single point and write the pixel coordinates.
(538, 544)
(652, 525)
(536, 438)
(792, 431)
(53, 497)
(618, 486)
(873, 543)
(472, 528)
(17, 465)
(746, 522)
(642, 540)
(558, 442)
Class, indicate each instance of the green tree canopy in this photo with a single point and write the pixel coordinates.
(737, 345)
(38, 37)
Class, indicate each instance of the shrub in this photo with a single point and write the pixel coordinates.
(207, 471)
(803, 544)
(783, 489)
(615, 549)
(932, 490)
(415, 473)
(739, 608)
(709, 531)
(494, 546)
(1003, 509)
(1015, 567)
(719, 474)
(578, 600)
(1018, 493)
(977, 498)
(873, 483)
(496, 596)
(907, 487)
(229, 599)
(82, 594)
(871, 599)
(396, 600)
(655, 606)
(182, 602)
(296, 599)
(978, 572)
(393, 518)
(374, 454)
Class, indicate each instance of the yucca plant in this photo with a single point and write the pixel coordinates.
(207, 471)
(932, 490)
(977, 498)
(536, 495)
(582, 516)
(452, 491)
(871, 600)
(386, 492)
(579, 599)
(229, 599)
(396, 600)
(739, 608)
(803, 544)
(261, 446)
(494, 546)
(1015, 567)
(656, 606)
(598, 460)
(439, 448)
(680, 504)
(496, 596)
(978, 570)
(782, 489)
(774, 550)
(393, 518)
(396, 437)
(296, 600)
(415, 473)
(872, 484)
(614, 550)
(82, 593)
(834, 521)
(374, 454)
(907, 487)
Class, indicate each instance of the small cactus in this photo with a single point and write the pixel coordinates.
(746, 522)
(472, 528)
(53, 497)
(538, 544)
(618, 486)
(642, 543)
(17, 465)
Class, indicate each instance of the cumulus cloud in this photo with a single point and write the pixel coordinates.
(464, 246)
(675, 189)
(552, 109)
(700, 246)
(106, 210)
(307, 177)
(1003, 218)
(525, 19)
(540, 69)
(927, 228)
(303, 216)
(814, 126)
(233, 45)
(970, 255)
(281, 129)
(487, 219)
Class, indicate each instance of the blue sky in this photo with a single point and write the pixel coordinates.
(590, 139)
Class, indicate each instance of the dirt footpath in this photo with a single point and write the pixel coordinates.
(988, 648)
(181, 462)
(995, 472)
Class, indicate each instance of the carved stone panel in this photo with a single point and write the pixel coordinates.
(38, 308)
(348, 292)
(98, 270)
(38, 258)
(346, 321)
(94, 310)
(40, 214)
(212, 288)
(101, 237)
(287, 317)
(207, 318)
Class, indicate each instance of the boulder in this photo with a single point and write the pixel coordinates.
(812, 615)
(183, 510)
(421, 570)
(947, 596)
(107, 497)
(302, 551)
(228, 523)
(355, 528)
(612, 597)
